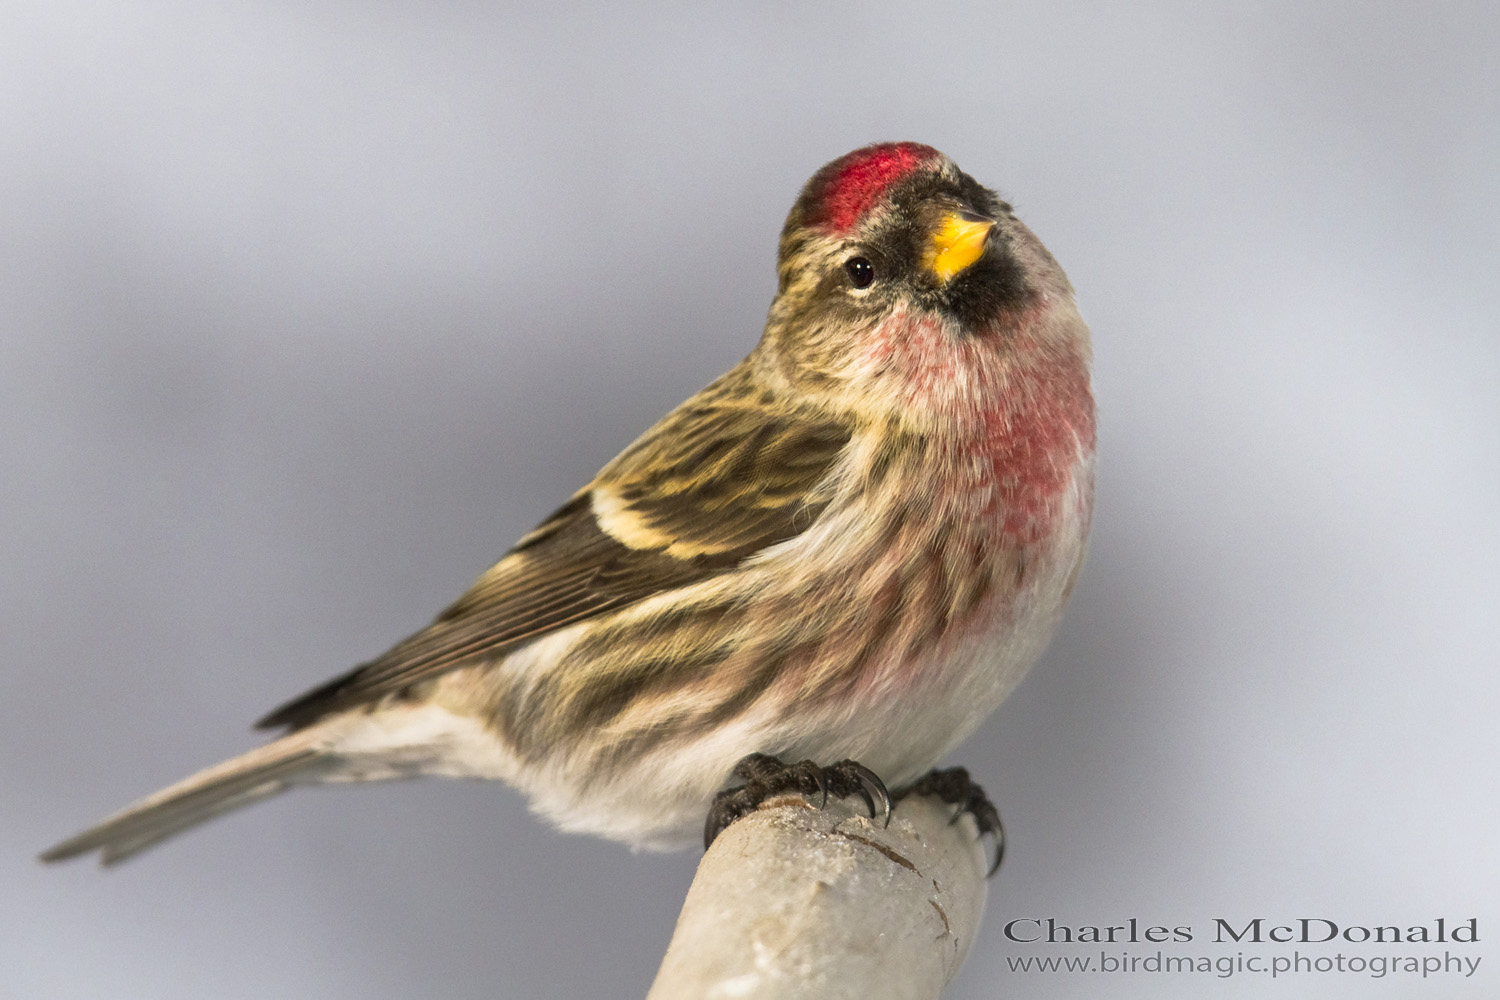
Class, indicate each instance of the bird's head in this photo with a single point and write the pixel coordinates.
(903, 280)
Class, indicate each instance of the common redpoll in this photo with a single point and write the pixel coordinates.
(851, 546)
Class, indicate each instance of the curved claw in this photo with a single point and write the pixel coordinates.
(873, 790)
(816, 773)
(998, 833)
(999, 836)
(954, 786)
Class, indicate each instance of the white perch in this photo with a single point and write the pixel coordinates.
(793, 901)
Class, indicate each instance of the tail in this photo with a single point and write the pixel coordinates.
(248, 778)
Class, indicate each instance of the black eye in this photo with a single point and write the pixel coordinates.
(861, 272)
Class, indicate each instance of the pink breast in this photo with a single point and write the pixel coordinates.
(1034, 444)
(1021, 417)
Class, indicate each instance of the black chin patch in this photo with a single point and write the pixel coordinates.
(992, 286)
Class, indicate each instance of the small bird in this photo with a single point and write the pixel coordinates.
(849, 547)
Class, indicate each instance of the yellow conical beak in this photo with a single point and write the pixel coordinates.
(958, 243)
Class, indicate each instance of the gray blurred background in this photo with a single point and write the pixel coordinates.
(308, 310)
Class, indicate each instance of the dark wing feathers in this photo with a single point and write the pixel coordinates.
(712, 483)
(728, 483)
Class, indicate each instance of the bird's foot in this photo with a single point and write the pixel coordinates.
(766, 777)
(954, 786)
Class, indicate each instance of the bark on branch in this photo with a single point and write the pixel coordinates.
(819, 904)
